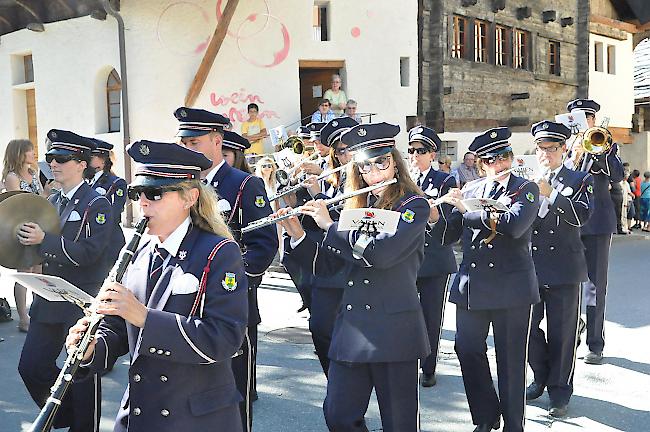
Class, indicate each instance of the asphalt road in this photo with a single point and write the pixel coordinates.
(291, 386)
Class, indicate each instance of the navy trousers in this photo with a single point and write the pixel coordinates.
(81, 407)
(243, 372)
(510, 327)
(551, 355)
(350, 385)
(324, 307)
(595, 290)
(433, 297)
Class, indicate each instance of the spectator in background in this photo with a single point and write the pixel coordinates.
(627, 215)
(266, 169)
(323, 114)
(254, 130)
(444, 165)
(616, 194)
(636, 190)
(336, 96)
(351, 110)
(644, 219)
(466, 172)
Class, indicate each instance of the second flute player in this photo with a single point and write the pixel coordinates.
(181, 311)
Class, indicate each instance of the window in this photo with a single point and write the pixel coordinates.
(320, 22)
(554, 58)
(520, 60)
(113, 95)
(480, 41)
(611, 59)
(598, 57)
(404, 71)
(29, 68)
(460, 37)
(502, 46)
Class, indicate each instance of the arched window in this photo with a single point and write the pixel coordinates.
(113, 94)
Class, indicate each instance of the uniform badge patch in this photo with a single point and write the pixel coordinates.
(182, 255)
(119, 192)
(101, 218)
(229, 282)
(362, 132)
(493, 135)
(590, 189)
(408, 216)
(144, 149)
(259, 201)
(530, 197)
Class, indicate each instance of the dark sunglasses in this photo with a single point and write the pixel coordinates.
(61, 159)
(381, 163)
(153, 193)
(419, 150)
(493, 159)
(267, 166)
(341, 151)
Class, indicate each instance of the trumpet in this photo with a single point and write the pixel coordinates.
(299, 186)
(295, 143)
(270, 220)
(284, 176)
(596, 140)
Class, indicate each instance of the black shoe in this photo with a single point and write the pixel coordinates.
(558, 411)
(489, 426)
(302, 308)
(428, 380)
(594, 358)
(582, 326)
(534, 391)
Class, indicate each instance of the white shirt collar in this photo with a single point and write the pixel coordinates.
(72, 191)
(96, 177)
(504, 182)
(424, 174)
(213, 171)
(173, 242)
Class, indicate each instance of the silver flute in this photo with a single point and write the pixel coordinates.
(270, 220)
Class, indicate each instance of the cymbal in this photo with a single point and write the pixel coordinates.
(17, 208)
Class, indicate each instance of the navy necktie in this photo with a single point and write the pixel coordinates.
(158, 257)
(419, 182)
(63, 202)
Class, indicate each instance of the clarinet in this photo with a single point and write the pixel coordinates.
(45, 419)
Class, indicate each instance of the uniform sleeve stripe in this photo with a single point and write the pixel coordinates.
(66, 253)
(190, 343)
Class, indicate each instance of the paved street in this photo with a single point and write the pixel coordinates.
(610, 397)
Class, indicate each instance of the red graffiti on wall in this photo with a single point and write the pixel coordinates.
(236, 103)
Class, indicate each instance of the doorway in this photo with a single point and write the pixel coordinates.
(315, 78)
(30, 102)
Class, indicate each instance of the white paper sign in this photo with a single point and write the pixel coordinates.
(53, 288)
(576, 121)
(487, 204)
(286, 158)
(375, 220)
(278, 135)
(526, 166)
(317, 91)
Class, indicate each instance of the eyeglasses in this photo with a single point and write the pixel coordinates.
(267, 166)
(341, 151)
(381, 163)
(61, 159)
(552, 149)
(153, 193)
(419, 150)
(493, 159)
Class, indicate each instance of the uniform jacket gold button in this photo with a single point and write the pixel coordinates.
(152, 350)
(473, 265)
(535, 232)
(551, 232)
(426, 244)
(368, 307)
(552, 248)
(159, 352)
(491, 265)
(168, 353)
(349, 307)
(366, 281)
(137, 411)
(490, 245)
(534, 247)
(164, 413)
(473, 247)
(350, 283)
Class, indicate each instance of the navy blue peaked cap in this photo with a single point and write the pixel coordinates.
(491, 142)
(101, 146)
(314, 130)
(233, 140)
(550, 131)
(426, 136)
(303, 132)
(197, 122)
(65, 143)
(587, 105)
(332, 131)
(370, 140)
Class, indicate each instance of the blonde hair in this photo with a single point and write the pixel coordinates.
(258, 171)
(391, 195)
(15, 157)
(205, 212)
(335, 178)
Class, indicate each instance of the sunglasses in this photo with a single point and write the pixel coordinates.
(493, 159)
(267, 166)
(552, 149)
(419, 150)
(341, 151)
(381, 163)
(153, 193)
(61, 159)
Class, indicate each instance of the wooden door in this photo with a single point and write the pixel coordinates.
(30, 97)
(315, 79)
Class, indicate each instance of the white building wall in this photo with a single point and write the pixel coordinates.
(614, 92)
(165, 42)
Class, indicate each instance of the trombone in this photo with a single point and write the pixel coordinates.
(284, 176)
(270, 220)
(596, 141)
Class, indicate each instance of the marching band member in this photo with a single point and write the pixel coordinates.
(439, 261)
(495, 284)
(77, 255)
(326, 289)
(316, 168)
(560, 265)
(106, 183)
(181, 310)
(379, 333)
(597, 232)
(243, 199)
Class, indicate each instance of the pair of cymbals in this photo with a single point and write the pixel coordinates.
(17, 208)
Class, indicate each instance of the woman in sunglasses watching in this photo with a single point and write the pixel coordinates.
(181, 309)
(379, 333)
(496, 284)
